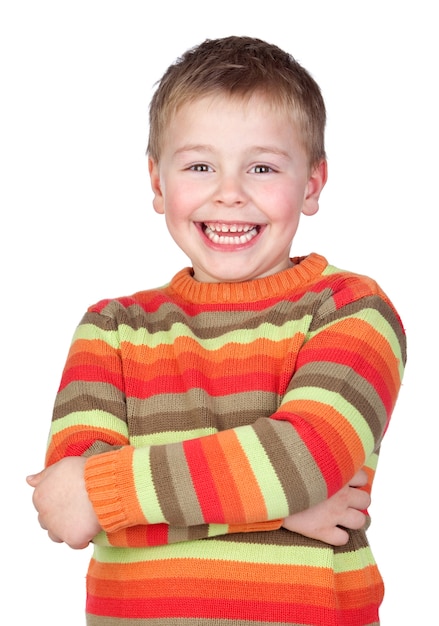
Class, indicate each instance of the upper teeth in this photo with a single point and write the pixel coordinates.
(220, 233)
(229, 228)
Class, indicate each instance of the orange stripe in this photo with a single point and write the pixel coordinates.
(61, 441)
(91, 346)
(329, 424)
(188, 587)
(186, 345)
(85, 360)
(256, 526)
(243, 477)
(370, 477)
(118, 464)
(149, 371)
(118, 538)
(212, 569)
(352, 580)
(353, 333)
(225, 485)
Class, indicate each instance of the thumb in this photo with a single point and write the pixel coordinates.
(34, 479)
(359, 480)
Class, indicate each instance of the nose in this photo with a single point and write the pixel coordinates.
(230, 191)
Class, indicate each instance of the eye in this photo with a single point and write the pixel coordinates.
(200, 167)
(262, 169)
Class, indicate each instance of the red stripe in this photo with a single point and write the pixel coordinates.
(190, 379)
(202, 481)
(320, 451)
(91, 373)
(151, 301)
(145, 535)
(157, 534)
(356, 362)
(229, 608)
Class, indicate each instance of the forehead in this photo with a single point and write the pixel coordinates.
(231, 127)
(228, 108)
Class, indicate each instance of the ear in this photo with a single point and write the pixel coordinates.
(154, 175)
(315, 184)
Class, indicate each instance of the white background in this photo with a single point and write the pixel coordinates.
(77, 225)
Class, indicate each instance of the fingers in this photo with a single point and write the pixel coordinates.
(354, 519)
(338, 537)
(359, 499)
(71, 542)
(50, 534)
(355, 515)
(77, 545)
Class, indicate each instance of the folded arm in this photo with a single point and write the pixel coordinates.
(330, 422)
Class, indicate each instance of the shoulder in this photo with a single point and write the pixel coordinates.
(319, 276)
(348, 286)
(128, 310)
(343, 291)
(354, 296)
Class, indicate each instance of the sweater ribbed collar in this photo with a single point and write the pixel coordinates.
(304, 270)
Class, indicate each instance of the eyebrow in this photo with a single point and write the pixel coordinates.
(252, 149)
(270, 150)
(194, 148)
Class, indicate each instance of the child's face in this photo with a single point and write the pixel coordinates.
(232, 181)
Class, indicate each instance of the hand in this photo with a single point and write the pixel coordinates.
(62, 502)
(345, 508)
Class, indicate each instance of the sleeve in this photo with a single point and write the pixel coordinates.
(90, 419)
(89, 415)
(329, 424)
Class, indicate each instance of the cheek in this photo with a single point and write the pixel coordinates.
(283, 203)
(183, 198)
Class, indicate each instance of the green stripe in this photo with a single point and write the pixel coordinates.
(95, 418)
(355, 560)
(145, 485)
(172, 436)
(379, 323)
(217, 529)
(372, 461)
(242, 336)
(212, 549)
(335, 401)
(382, 326)
(263, 471)
(241, 553)
(92, 333)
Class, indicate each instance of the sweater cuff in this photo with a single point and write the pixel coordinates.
(107, 477)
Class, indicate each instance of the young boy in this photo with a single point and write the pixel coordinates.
(209, 435)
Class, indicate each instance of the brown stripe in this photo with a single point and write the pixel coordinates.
(180, 508)
(196, 409)
(83, 396)
(283, 537)
(273, 435)
(204, 325)
(347, 384)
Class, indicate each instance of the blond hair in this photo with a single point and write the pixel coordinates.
(240, 67)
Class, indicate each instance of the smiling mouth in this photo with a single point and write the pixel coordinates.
(230, 234)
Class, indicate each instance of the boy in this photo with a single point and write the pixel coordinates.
(209, 435)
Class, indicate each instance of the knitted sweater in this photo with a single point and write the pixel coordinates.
(208, 413)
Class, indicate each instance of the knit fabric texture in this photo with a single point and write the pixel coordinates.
(208, 413)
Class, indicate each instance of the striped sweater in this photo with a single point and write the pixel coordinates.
(208, 413)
